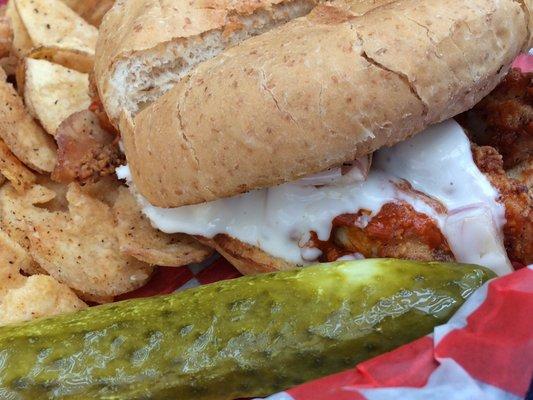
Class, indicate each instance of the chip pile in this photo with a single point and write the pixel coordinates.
(70, 232)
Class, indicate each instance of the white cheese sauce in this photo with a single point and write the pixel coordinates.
(437, 162)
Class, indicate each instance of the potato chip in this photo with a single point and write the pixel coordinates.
(6, 36)
(91, 11)
(10, 166)
(39, 296)
(51, 24)
(72, 59)
(12, 259)
(22, 43)
(23, 298)
(91, 298)
(80, 248)
(9, 64)
(52, 92)
(27, 140)
(139, 239)
(15, 210)
(105, 190)
(59, 202)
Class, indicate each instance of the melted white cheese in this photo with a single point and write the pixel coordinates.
(437, 162)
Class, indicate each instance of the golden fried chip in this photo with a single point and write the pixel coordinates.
(15, 211)
(91, 298)
(12, 259)
(91, 11)
(72, 59)
(27, 140)
(51, 24)
(22, 43)
(23, 298)
(6, 36)
(105, 190)
(139, 239)
(39, 296)
(10, 166)
(59, 202)
(52, 92)
(80, 248)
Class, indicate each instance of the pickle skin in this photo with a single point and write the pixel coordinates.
(250, 336)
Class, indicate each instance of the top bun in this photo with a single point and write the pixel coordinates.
(319, 91)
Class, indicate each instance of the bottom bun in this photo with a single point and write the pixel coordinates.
(248, 259)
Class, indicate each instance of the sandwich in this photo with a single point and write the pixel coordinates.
(285, 132)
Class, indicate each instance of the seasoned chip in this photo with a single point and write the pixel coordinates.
(80, 248)
(39, 296)
(91, 298)
(51, 24)
(72, 59)
(6, 36)
(139, 239)
(86, 151)
(27, 140)
(91, 10)
(59, 202)
(23, 298)
(53, 92)
(10, 166)
(22, 43)
(16, 209)
(12, 259)
(105, 190)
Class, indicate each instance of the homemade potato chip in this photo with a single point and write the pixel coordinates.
(72, 59)
(6, 36)
(59, 202)
(15, 211)
(23, 298)
(91, 298)
(91, 11)
(139, 239)
(86, 151)
(39, 296)
(52, 92)
(51, 24)
(80, 248)
(22, 43)
(12, 259)
(105, 190)
(26, 140)
(10, 166)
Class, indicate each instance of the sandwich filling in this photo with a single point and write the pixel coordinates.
(433, 174)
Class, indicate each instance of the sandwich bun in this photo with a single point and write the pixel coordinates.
(319, 91)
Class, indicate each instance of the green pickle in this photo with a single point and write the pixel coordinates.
(250, 336)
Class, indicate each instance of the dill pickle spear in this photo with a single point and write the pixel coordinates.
(250, 336)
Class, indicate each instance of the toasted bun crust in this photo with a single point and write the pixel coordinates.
(319, 91)
(145, 46)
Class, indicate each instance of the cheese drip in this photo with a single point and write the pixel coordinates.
(437, 162)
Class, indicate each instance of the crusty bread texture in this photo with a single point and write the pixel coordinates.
(145, 46)
(321, 90)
